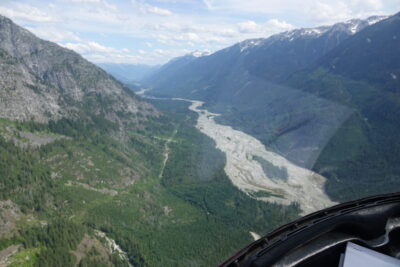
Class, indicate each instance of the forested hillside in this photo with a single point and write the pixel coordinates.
(362, 157)
(325, 98)
(84, 179)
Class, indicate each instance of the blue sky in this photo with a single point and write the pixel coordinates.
(154, 31)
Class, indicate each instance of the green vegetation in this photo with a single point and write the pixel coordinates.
(55, 240)
(22, 177)
(88, 180)
(361, 159)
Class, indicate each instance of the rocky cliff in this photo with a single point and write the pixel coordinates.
(42, 81)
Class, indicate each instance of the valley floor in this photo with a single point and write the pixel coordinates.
(245, 156)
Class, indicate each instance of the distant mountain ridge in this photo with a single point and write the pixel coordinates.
(325, 98)
(272, 58)
(128, 73)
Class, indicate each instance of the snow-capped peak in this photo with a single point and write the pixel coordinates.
(355, 25)
(198, 53)
(250, 43)
(352, 26)
(304, 32)
(375, 19)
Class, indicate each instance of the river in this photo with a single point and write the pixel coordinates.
(244, 155)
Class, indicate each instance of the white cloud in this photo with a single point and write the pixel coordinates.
(160, 51)
(275, 25)
(90, 47)
(248, 27)
(174, 26)
(99, 53)
(315, 11)
(208, 4)
(54, 34)
(157, 11)
(83, 1)
(77, 47)
(102, 3)
(189, 36)
(225, 32)
(150, 9)
(327, 12)
(20, 11)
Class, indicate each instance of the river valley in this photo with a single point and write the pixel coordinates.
(260, 173)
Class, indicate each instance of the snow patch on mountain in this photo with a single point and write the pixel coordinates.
(198, 53)
(352, 26)
(376, 19)
(250, 43)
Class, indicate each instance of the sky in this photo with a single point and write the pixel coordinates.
(155, 31)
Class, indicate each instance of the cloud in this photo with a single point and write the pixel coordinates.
(208, 4)
(225, 32)
(275, 25)
(160, 51)
(54, 34)
(189, 36)
(102, 3)
(314, 11)
(90, 47)
(327, 12)
(103, 54)
(83, 1)
(248, 27)
(26, 12)
(157, 11)
(99, 28)
(150, 9)
(272, 26)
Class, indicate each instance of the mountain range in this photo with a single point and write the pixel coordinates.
(272, 58)
(93, 175)
(326, 98)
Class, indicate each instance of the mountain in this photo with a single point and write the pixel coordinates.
(43, 81)
(371, 56)
(361, 73)
(91, 175)
(70, 136)
(171, 69)
(245, 83)
(128, 73)
(325, 98)
(272, 59)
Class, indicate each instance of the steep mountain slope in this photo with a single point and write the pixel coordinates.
(363, 156)
(90, 175)
(43, 81)
(128, 73)
(272, 59)
(168, 72)
(65, 126)
(244, 83)
(325, 98)
(372, 55)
